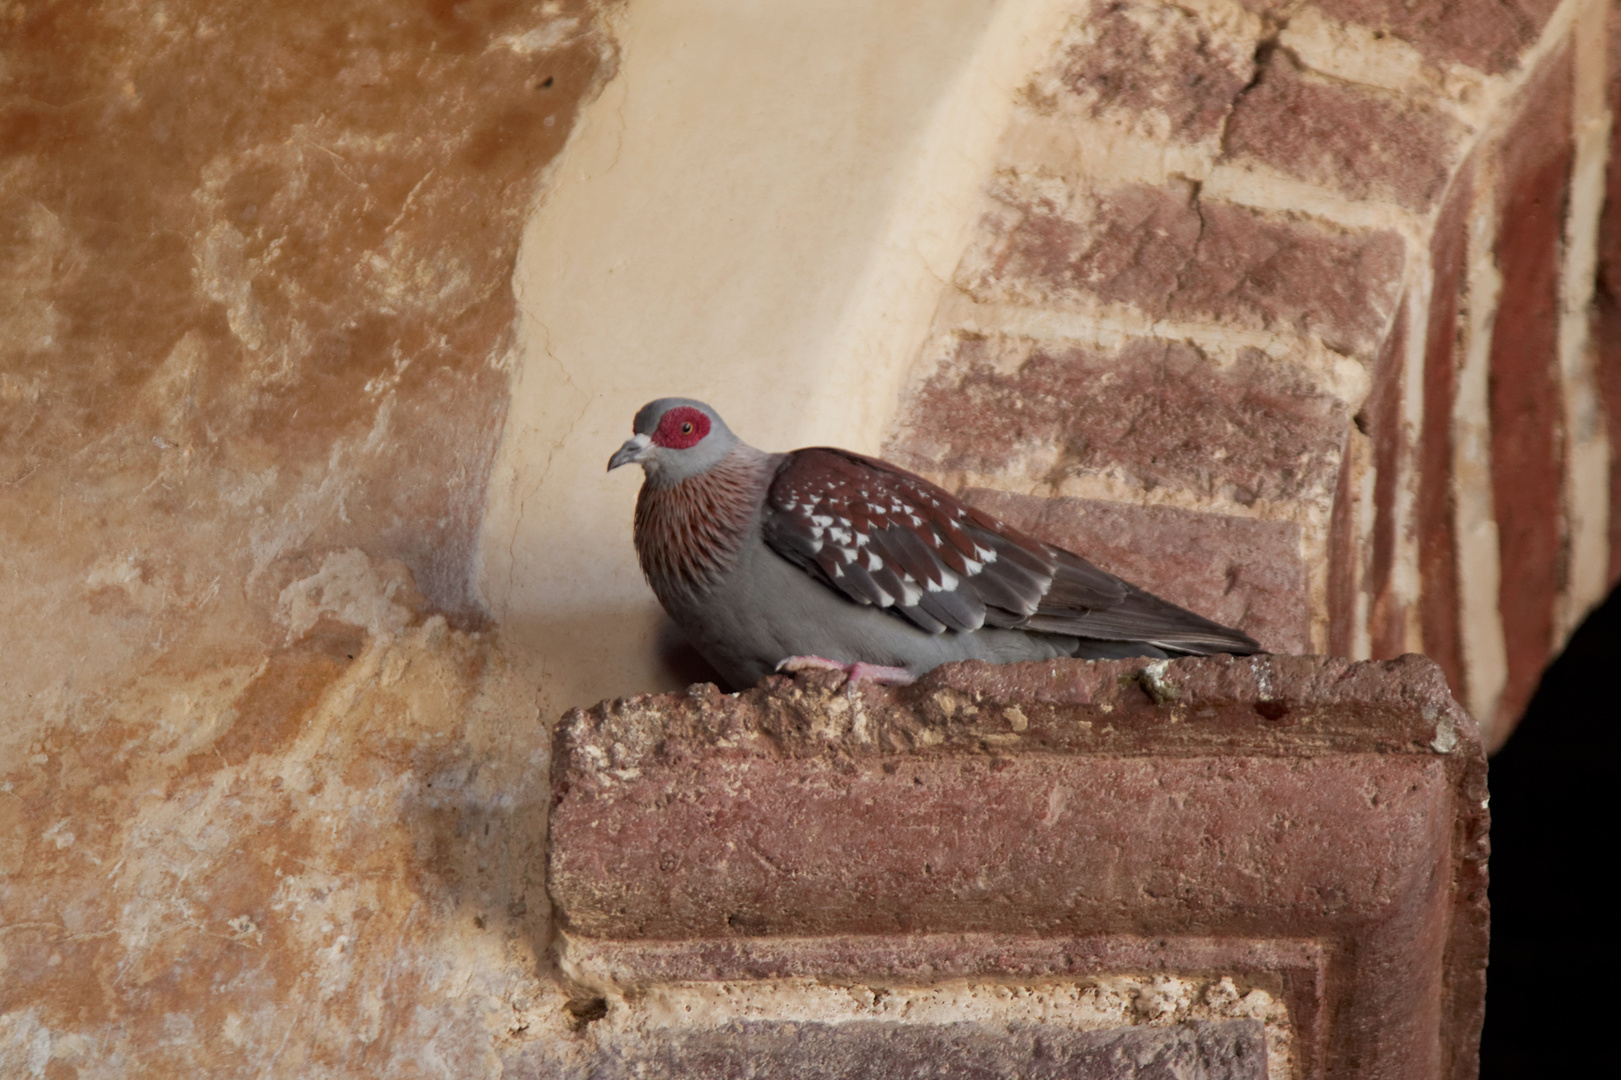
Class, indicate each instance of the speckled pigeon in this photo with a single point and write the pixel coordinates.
(826, 558)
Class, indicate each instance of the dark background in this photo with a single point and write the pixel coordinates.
(1555, 905)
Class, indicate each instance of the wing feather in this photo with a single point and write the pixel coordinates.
(886, 537)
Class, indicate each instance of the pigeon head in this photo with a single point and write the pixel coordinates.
(676, 438)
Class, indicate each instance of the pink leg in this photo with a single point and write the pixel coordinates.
(856, 672)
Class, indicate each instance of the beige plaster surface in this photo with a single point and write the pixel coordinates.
(761, 211)
(271, 799)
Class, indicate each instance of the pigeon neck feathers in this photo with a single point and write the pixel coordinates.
(689, 533)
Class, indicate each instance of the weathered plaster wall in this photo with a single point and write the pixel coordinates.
(268, 796)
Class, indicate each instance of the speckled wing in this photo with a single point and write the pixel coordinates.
(886, 537)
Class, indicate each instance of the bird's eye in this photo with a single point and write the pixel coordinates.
(686, 428)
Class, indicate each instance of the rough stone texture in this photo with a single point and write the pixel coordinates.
(315, 860)
(1525, 406)
(1381, 420)
(1359, 141)
(1344, 553)
(264, 807)
(1293, 273)
(1231, 1050)
(1173, 255)
(1485, 34)
(242, 240)
(640, 1022)
(1158, 71)
(1239, 571)
(988, 810)
(1152, 414)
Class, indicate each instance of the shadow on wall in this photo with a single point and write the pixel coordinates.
(1553, 814)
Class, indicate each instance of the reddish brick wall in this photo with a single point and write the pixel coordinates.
(1486, 34)
(1437, 534)
(1607, 301)
(1343, 550)
(1357, 140)
(1381, 420)
(1526, 411)
(1188, 339)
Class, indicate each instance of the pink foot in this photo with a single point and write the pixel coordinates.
(856, 672)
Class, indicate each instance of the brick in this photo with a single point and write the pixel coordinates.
(1159, 71)
(1155, 414)
(1172, 255)
(1607, 300)
(1125, 245)
(1437, 532)
(1485, 34)
(1238, 571)
(1344, 553)
(1225, 1050)
(1363, 142)
(1525, 401)
(1312, 822)
(1276, 272)
(1381, 420)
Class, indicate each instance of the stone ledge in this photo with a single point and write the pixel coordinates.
(1312, 826)
(1230, 1050)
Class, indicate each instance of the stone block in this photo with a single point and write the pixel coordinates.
(1173, 255)
(1158, 71)
(1344, 557)
(1151, 415)
(1484, 34)
(1225, 1050)
(1313, 826)
(1382, 420)
(1278, 272)
(1363, 142)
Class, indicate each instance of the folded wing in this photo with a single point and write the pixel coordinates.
(886, 537)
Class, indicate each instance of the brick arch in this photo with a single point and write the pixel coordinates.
(1279, 287)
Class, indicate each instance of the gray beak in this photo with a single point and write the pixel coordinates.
(635, 449)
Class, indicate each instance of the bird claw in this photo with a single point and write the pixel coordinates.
(855, 673)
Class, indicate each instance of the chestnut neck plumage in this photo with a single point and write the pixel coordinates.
(689, 533)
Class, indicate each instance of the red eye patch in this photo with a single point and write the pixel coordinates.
(681, 427)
